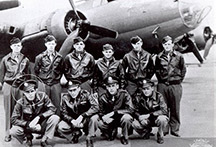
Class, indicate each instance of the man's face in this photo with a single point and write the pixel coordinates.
(50, 46)
(74, 91)
(137, 46)
(79, 46)
(148, 91)
(16, 47)
(108, 53)
(112, 88)
(30, 94)
(168, 46)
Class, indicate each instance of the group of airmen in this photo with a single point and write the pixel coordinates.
(103, 94)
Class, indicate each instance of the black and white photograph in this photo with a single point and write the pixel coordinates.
(107, 73)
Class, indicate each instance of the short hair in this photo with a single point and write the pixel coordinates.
(107, 47)
(14, 40)
(135, 39)
(77, 39)
(49, 38)
(166, 38)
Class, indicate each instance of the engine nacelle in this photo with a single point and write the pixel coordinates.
(59, 23)
(7, 4)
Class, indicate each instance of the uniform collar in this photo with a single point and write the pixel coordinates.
(111, 60)
(78, 53)
(48, 53)
(13, 56)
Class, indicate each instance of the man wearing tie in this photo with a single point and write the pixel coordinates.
(49, 68)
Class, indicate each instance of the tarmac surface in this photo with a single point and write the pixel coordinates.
(198, 114)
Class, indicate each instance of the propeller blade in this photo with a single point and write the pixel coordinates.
(195, 51)
(102, 31)
(208, 45)
(74, 8)
(68, 43)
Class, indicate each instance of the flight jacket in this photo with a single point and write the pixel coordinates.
(138, 68)
(25, 111)
(84, 105)
(82, 70)
(50, 72)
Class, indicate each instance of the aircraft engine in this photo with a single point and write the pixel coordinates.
(7, 4)
(59, 23)
(62, 23)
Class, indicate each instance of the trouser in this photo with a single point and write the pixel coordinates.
(10, 96)
(172, 95)
(124, 122)
(48, 127)
(90, 127)
(159, 121)
(54, 93)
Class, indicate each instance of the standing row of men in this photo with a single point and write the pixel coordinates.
(79, 66)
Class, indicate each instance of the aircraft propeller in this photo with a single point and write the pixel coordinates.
(80, 27)
(86, 26)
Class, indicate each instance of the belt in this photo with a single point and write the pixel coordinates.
(176, 82)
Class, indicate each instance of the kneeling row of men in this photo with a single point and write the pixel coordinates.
(35, 113)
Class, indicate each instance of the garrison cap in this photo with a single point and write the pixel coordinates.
(78, 39)
(107, 47)
(49, 38)
(111, 80)
(28, 85)
(147, 83)
(166, 38)
(73, 83)
(135, 39)
(14, 40)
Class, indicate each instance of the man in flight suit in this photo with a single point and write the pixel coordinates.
(150, 110)
(138, 65)
(33, 113)
(115, 107)
(170, 72)
(105, 67)
(77, 112)
(79, 65)
(49, 68)
(13, 66)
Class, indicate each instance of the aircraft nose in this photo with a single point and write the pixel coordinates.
(192, 12)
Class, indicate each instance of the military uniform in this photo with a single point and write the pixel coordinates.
(153, 105)
(137, 66)
(80, 66)
(71, 109)
(25, 111)
(49, 68)
(170, 72)
(104, 69)
(11, 69)
(121, 105)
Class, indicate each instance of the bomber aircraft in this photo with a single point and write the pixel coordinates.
(101, 21)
